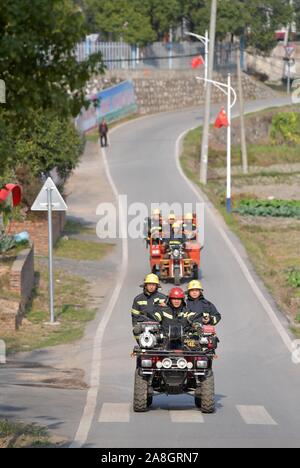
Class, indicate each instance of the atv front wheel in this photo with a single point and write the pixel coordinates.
(208, 403)
(140, 399)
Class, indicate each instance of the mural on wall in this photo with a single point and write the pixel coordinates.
(111, 104)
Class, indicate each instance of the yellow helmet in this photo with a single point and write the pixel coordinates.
(152, 279)
(156, 212)
(195, 285)
(172, 217)
(189, 217)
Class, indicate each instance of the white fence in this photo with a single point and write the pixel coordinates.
(176, 56)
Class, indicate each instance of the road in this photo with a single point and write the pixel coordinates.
(257, 384)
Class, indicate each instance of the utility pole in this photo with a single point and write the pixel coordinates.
(242, 114)
(205, 136)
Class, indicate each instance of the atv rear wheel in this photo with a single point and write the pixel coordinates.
(208, 403)
(140, 399)
(198, 397)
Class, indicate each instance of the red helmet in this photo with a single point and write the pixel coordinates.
(176, 293)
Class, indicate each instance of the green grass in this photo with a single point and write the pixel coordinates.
(71, 310)
(259, 155)
(75, 227)
(75, 249)
(18, 435)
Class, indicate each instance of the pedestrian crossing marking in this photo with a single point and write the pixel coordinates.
(123, 413)
(186, 417)
(256, 415)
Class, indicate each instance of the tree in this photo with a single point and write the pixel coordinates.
(37, 41)
(264, 18)
(257, 19)
(119, 19)
(163, 15)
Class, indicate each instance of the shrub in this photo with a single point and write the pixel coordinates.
(294, 278)
(285, 128)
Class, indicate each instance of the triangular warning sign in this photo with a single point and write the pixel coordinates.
(57, 201)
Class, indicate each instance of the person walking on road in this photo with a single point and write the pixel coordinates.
(103, 131)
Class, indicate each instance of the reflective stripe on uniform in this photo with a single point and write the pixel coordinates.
(142, 303)
(158, 316)
(192, 314)
(169, 316)
(135, 312)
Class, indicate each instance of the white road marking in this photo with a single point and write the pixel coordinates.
(220, 223)
(256, 415)
(91, 403)
(186, 417)
(115, 413)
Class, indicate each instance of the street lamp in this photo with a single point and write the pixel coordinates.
(228, 90)
(205, 41)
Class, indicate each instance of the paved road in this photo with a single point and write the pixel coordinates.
(257, 384)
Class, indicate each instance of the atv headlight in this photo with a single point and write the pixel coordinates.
(176, 253)
(182, 363)
(167, 363)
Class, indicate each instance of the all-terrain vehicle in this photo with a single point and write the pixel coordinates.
(175, 363)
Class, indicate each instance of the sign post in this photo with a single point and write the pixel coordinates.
(49, 199)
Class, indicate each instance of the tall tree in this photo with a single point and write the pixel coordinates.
(119, 19)
(37, 41)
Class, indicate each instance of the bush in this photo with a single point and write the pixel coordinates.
(272, 208)
(294, 278)
(285, 128)
(49, 142)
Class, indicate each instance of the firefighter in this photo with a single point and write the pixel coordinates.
(153, 223)
(174, 312)
(167, 226)
(145, 304)
(201, 311)
(189, 227)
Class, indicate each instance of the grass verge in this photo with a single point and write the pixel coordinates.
(272, 245)
(75, 249)
(71, 309)
(18, 435)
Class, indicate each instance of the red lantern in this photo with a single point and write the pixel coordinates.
(222, 120)
(14, 191)
(198, 62)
